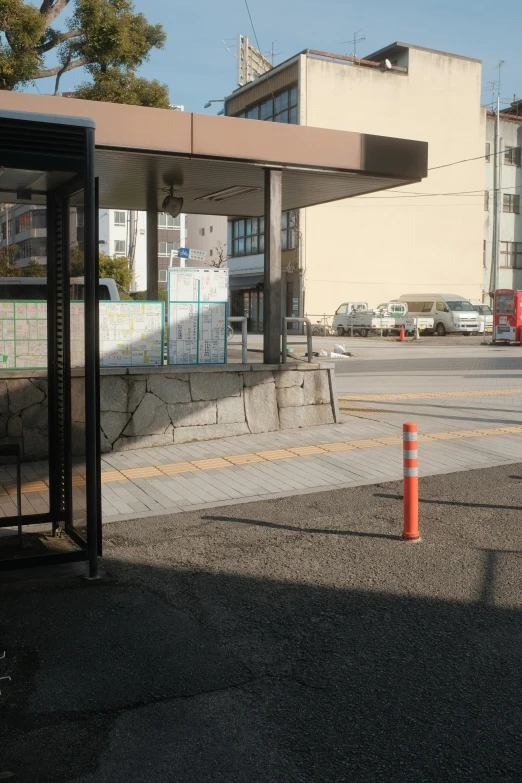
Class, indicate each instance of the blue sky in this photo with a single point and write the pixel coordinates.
(197, 67)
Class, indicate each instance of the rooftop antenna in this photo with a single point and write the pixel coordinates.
(493, 86)
(354, 41)
(499, 66)
(227, 47)
(273, 54)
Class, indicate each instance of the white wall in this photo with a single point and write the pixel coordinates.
(215, 234)
(511, 182)
(378, 247)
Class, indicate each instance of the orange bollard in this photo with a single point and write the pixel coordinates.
(411, 482)
(401, 335)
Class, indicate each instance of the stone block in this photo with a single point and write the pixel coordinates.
(77, 438)
(230, 410)
(113, 423)
(4, 399)
(290, 397)
(137, 389)
(42, 385)
(287, 378)
(3, 426)
(35, 444)
(78, 399)
(305, 416)
(36, 417)
(192, 414)
(316, 388)
(261, 408)
(214, 385)
(170, 390)
(105, 444)
(190, 434)
(22, 394)
(14, 427)
(113, 393)
(149, 418)
(257, 378)
(144, 441)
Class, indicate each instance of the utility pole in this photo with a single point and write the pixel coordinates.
(497, 182)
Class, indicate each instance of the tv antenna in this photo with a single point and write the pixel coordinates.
(499, 67)
(273, 54)
(354, 41)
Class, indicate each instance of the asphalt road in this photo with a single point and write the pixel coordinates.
(289, 641)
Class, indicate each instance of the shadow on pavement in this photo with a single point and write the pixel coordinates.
(297, 529)
(259, 680)
(451, 502)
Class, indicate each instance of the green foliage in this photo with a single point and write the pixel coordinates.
(121, 86)
(8, 265)
(106, 37)
(34, 269)
(140, 296)
(23, 26)
(111, 267)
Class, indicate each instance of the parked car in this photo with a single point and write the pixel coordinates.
(340, 321)
(36, 288)
(451, 313)
(485, 317)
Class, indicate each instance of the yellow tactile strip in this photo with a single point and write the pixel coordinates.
(426, 395)
(175, 468)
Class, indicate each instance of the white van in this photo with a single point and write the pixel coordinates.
(36, 288)
(485, 314)
(451, 313)
(340, 320)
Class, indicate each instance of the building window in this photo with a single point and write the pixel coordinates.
(511, 255)
(279, 108)
(488, 151)
(201, 232)
(486, 200)
(165, 248)
(248, 235)
(119, 218)
(33, 218)
(512, 156)
(511, 203)
(167, 221)
(119, 247)
(162, 275)
(484, 254)
(80, 217)
(211, 229)
(211, 253)
(288, 221)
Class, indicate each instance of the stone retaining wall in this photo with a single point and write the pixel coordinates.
(162, 406)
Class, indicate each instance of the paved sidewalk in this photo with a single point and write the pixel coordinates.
(458, 431)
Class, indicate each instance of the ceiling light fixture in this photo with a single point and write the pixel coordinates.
(228, 193)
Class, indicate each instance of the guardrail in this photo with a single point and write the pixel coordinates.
(308, 323)
(242, 319)
(321, 323)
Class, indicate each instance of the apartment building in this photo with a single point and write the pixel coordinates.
(121, 233)
(510, 188)
(372, 248)
(208, 233)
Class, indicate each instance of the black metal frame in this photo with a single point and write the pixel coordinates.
(33, 144)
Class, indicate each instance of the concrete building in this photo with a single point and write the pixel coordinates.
(208, 233)
(372, 248)
(510, 233)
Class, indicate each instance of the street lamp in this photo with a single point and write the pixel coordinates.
(208, 104)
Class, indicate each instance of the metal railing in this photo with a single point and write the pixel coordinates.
(321, 323)
(242, 319)
(308, 323)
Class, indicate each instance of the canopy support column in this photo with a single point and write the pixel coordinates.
(272, 291)
(152, 254)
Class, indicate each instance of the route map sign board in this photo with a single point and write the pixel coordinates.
(197, 315)
(131, 334)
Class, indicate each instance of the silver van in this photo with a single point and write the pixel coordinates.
(451, 313)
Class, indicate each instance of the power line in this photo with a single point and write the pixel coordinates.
(466, 160)
(413, 194)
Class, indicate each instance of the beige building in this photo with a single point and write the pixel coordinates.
(374, 248)
(208, 233)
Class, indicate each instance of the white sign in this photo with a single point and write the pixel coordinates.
(197, 315)
(131, 334)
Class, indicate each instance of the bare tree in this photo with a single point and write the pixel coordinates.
(221, 258)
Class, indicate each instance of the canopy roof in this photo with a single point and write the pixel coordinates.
(216, 163)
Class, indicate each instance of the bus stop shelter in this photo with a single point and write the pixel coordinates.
(66, 153)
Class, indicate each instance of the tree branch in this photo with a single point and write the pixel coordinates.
(60, 68)
(46, 47)
(50, 9)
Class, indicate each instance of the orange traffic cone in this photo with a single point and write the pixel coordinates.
(401, 336)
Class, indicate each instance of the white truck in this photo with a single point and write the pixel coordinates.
(363, 323)
(399, 311)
